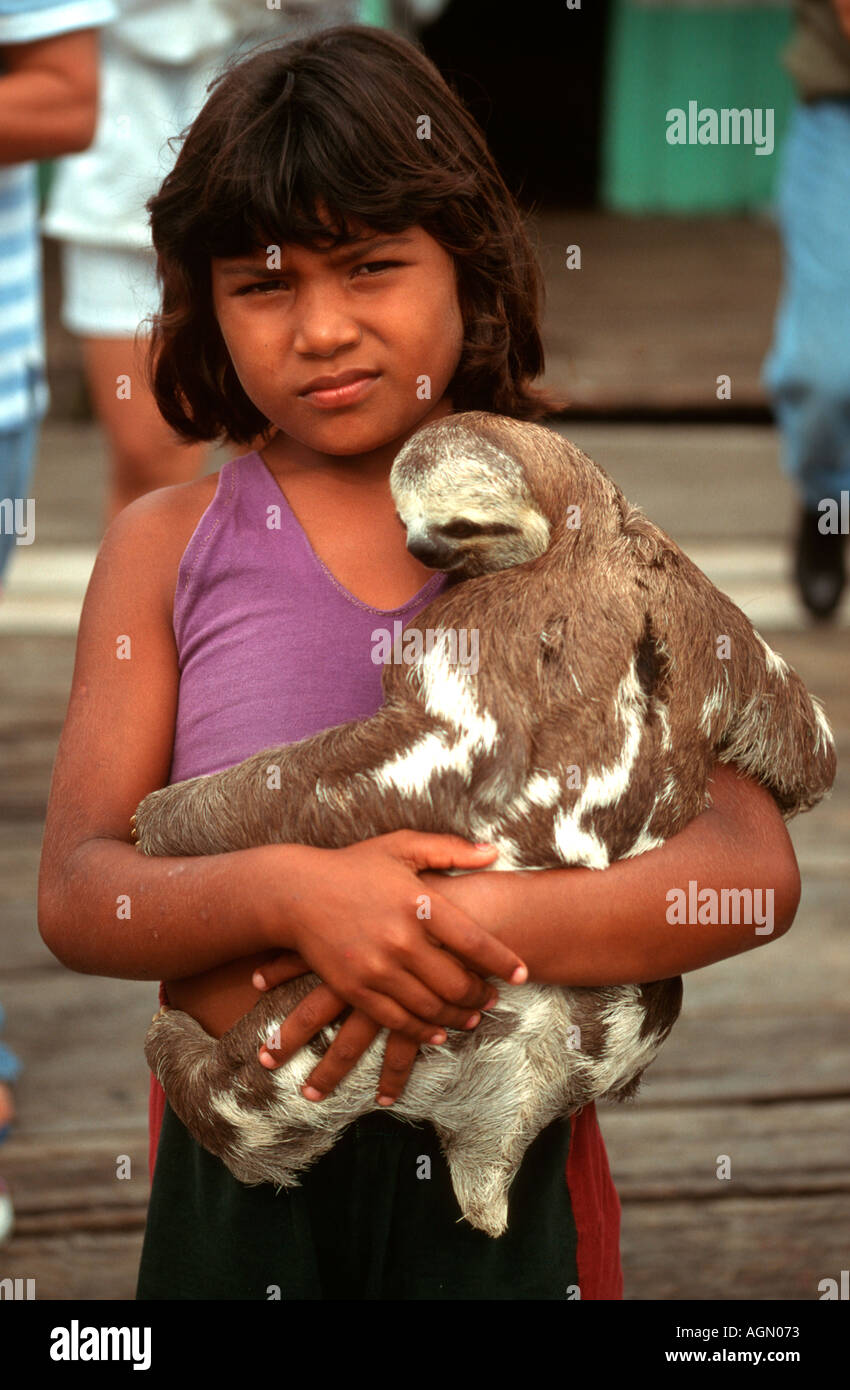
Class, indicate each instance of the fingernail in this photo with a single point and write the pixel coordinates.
(259, 981)
(266, 1059)
(482, 844)
(473, 1021)
(491, 1003)
(385, 1100)
(310, 1093)
(519, 975)
(437, 1039)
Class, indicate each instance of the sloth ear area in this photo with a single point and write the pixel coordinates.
(648, 544)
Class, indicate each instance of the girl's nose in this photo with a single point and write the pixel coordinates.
(324, 324)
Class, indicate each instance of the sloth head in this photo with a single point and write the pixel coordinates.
(464, 499)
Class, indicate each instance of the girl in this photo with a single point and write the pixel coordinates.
(341, 264)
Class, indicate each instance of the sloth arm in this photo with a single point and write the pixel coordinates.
(609, 926)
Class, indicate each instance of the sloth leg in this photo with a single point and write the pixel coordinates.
(323, 790)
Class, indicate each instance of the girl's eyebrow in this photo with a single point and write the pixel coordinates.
(340, 257)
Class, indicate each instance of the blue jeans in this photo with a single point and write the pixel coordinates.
(10, 1066)
(17, 455)
(807, 370)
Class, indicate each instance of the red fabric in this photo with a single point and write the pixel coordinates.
(156, 1103)
(596, 1210)
(156, 1110)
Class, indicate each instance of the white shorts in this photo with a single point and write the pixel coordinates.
(107, 291)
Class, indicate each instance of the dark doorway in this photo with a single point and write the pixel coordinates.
(532, 77)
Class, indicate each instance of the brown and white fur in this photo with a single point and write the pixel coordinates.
(598, 651)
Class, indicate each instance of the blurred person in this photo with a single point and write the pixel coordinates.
(156, 61)
(10, 1070)
(48, 103)
(807, 371)
(48, 106)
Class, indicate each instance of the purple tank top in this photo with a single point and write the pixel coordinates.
(271, 647)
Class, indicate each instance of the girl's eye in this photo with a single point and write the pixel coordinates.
(378, 265)
(265, 285)
(260, 286)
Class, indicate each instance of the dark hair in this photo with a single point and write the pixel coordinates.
(329, 123)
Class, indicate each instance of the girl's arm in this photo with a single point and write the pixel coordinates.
(104, 908)
(618, 925)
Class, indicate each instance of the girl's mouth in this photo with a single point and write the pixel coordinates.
(342, 395)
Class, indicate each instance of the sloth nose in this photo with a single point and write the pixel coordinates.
(431, 553)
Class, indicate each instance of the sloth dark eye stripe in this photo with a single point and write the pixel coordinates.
(458, 530)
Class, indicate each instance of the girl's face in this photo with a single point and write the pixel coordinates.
(386, 308)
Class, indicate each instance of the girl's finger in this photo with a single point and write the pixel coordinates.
(463, 937)
(389, 1014)
(408, 992)
(450, 980)
(352, 1040)
(423, 849)
(399, 1057)
(287, 966)
(314, 1012)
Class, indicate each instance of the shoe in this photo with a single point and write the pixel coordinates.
(819, 571)
(7, 1212)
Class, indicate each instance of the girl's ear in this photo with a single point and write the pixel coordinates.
(724, 684)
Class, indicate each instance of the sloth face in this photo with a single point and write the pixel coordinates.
(465, 504)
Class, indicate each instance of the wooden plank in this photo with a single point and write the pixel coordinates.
(620, 340)
(757, 1248)
(52, 1176)
(740, 1057)
(80, 1265)
(81, 1038)
(743, 1250)
(660, 1152)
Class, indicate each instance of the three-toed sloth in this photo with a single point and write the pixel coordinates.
(611, 675)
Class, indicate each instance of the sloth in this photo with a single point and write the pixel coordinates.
(611, 676)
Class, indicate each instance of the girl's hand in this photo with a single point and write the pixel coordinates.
(362, 934)
(319, 1008)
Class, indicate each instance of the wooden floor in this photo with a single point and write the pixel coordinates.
(758, 1068)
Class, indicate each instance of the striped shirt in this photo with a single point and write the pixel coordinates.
(23, 384)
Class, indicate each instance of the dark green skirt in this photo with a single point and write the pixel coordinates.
(366, 1223)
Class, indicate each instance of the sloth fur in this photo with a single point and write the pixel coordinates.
(598, 655)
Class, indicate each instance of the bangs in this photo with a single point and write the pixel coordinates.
(316, 159)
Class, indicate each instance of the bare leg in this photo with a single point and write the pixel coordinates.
(143, 451)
